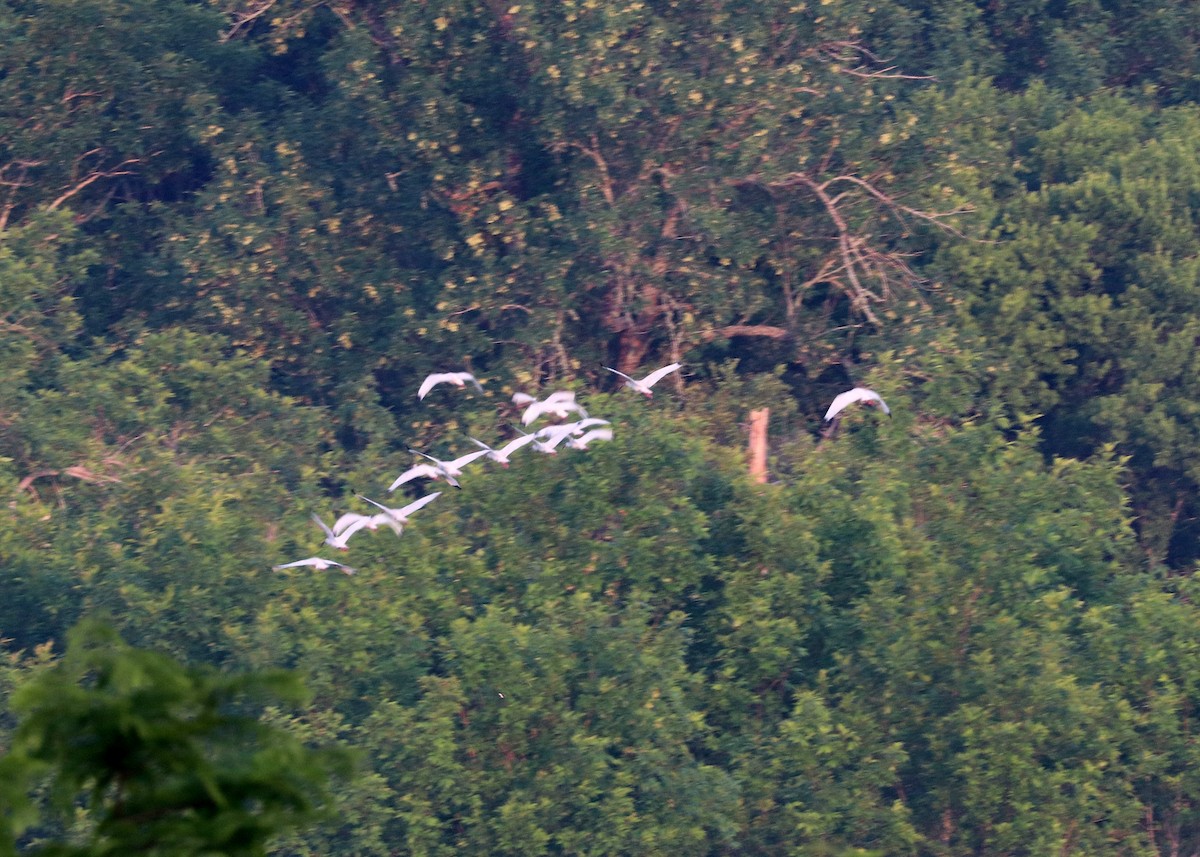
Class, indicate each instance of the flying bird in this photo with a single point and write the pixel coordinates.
(556, 434)
(421, 471)
(366, 522)
(500, 456)
(558, 404)
(338, 540)
(859, 394)
(546, 446)
(317, 563)
(553, 432)
(643, 386)
(594, 434)
(521, 399)
(354, 519)
(576, 428)
(458, 379)
(448, 470)
(397, 518)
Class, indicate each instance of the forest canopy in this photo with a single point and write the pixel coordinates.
(235, 235)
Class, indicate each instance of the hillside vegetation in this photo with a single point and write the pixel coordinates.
(235, 235)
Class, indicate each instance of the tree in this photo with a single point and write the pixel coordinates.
(1086, 289)
(162, 759)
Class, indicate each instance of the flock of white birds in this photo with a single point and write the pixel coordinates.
(561, 405)
(579, 434)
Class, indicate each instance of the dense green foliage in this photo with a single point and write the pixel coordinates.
(235, 236)
(167, 765)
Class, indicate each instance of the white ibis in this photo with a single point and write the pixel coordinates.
(315, 562)
(458, 379)
(421, 471)
(643, 386)
(593, 435)
(576, 428)
(338, 540)
(397, 518)
(546, 446)
(500, 456)
(447, 470)
(558, 404)
(859, 394)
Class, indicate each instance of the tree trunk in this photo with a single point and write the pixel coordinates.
(758, 444)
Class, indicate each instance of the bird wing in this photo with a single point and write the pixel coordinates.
(344, 521)
(373, 503)
(480, 444)
(523, 399)
(533, 412)
(515, 444)
(622, 374)
(312, 560)
(387, 519)
(595, 434)
(560, 396)
(839, 403)
(324, 528)
(554, 432)
(459, 463)
(467, 376)
(416, 504)
(345, 568)
(552, 442)
(415, 472)
(844, 400)
(658, 374)
(432, 381)
(425, 455)
(351, 529)
(587, 423)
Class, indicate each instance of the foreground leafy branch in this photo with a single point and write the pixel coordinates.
(163, 758)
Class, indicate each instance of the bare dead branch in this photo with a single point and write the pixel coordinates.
(851, 51)
(78, 471)
(18, 181)
(857, 262)
(934, 217)
(593, 152)
(730, 330)
(244, 19)
(92, 178)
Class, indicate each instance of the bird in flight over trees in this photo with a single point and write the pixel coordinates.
(859, 394)
(558, 404)
(448, 470)
(421, 471)
(317, 563)
(397, 518)
(338, 540)
(643, 386)
(576, 428)
(359, 522)
(500, 456)
(547, 445)
(594, 434)
(458, 379)
(522, 399)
